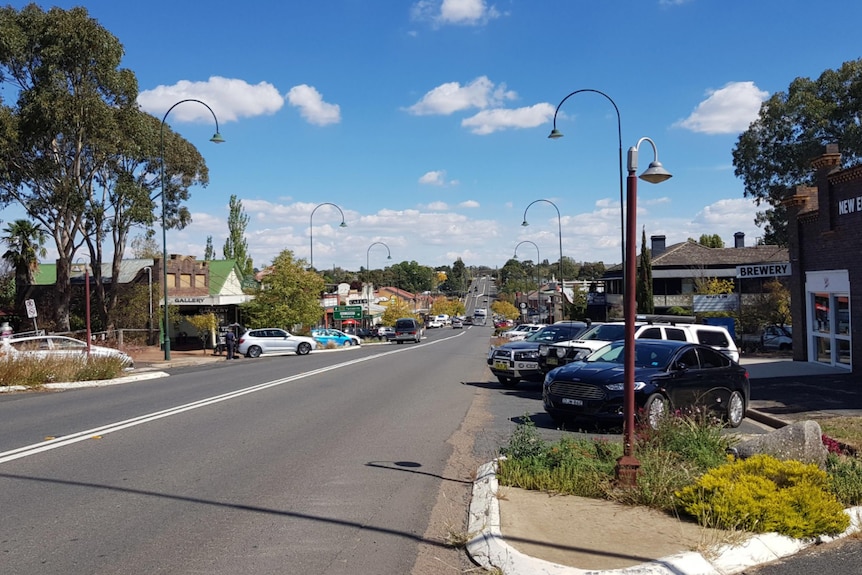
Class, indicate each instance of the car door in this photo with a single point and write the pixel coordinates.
(278, 341)
(684, 387)
(718, 379)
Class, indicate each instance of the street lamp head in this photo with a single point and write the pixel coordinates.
(217, 139)
(343, 224)
(388, 257)
(555, 134)
(524, 223)
(656, 173)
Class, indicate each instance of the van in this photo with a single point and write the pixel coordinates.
(407, 329)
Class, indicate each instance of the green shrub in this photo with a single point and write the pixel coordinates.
(762, 494)
(846, 475)
(35, 372)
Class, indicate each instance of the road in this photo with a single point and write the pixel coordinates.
(329, 463)
(355, 462)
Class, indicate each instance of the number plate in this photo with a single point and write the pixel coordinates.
(502, 365)
(567, 401)
(551, 361)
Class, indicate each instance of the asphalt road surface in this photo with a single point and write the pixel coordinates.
(329, 463)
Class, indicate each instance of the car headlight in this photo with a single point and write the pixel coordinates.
(528, 355)
(561, 352)
(621, 386)
(543, 350)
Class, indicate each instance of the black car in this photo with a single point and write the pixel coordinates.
(517, 360)
(669, 376)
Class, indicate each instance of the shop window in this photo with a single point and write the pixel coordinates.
(185, 280)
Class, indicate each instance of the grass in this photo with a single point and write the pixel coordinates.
(34, 373)
(672, 457)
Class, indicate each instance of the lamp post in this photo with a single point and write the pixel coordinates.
(556, 134)
(559, 231)
(217, 139)
(367, 270)
(311, 230)
(538, 259)
(86, 300)
(627, 466)
(150, 302)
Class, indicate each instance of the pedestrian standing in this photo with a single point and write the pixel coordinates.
(230, 342)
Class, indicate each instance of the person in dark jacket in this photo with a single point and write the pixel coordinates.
(230, 343)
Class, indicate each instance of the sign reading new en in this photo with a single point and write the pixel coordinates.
(763, 270)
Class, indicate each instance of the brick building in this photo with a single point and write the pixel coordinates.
(825, 232)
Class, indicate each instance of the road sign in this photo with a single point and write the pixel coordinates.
(31, 308)
(348, 312)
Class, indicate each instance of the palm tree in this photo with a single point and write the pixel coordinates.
(26, 242)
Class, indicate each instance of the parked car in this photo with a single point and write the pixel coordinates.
(386, 332)
(650, 327)
(669, 376)
(59, 346)
(457, 323)
(520, 332)
(407, 329)
(434, 323)
(777, 337)
(273, 341)
(325, 336)
(517, 360)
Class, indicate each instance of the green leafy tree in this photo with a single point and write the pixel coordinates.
(145, 246)
(26, 244)
(288, 296)
(459, 279)
(396, 309)
(236, 246)
(209, 250)
(643, 290)
(709, 240)
(773, 156)
(412, 277)
(205, 324)
(505, 309)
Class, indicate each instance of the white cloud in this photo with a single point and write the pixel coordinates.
(312, 107)
(230, 99)
(728, 110)
(457, 12)
(452, 97)
(490, 121)
(437, 206)
(433, 178)
(469, 204)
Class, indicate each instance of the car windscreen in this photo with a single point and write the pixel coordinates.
(606, 332)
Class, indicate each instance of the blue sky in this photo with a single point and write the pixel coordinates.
(426, 121)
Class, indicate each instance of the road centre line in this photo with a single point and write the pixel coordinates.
(73, 438)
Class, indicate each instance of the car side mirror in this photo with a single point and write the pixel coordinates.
(681, 366)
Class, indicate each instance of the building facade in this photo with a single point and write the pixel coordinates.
(825, 236)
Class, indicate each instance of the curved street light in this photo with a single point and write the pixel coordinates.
(216, 139)
(367, 270)
(627, 466)
(559, 231)
(311, 230)
(556, 134)
(86, 267)
(538, 259)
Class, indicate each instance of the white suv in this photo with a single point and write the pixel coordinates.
(717, 337)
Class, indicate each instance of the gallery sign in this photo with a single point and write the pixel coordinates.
(763, 270)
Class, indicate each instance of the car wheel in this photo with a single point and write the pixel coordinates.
(655, 409)
(508, 382)
(735, 409)
(348, 343)
(303, 348)
(254, 351)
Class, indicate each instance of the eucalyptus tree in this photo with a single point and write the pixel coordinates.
(78, 154)
(773, 155)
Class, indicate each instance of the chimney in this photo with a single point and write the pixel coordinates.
(658, 245)
(739, 240)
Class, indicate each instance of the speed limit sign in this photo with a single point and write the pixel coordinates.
(31, 308)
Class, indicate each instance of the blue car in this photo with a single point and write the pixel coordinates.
(337, 337)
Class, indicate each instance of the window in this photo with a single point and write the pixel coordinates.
(689, 359)
(712, 338)
(675, 334)
(651, 333)
(711, 359)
